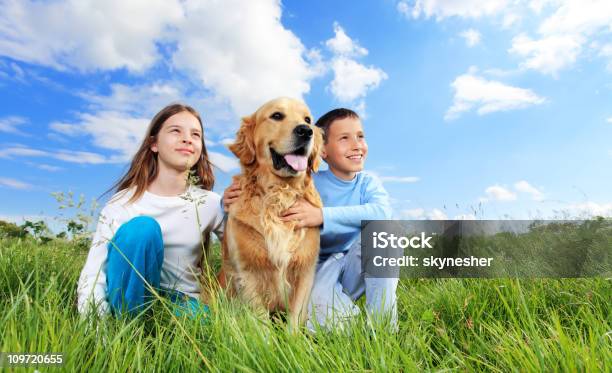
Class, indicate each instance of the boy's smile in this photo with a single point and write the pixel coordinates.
(345, 149)
(356, 158)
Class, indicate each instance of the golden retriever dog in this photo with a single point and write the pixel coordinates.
(268, 263)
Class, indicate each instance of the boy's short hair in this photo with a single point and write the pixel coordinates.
(328, 118)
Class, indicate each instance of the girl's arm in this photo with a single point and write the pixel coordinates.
(218, 223)
(91, 290)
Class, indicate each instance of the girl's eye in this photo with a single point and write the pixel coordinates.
(196, 134)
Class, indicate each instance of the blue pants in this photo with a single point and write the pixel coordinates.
(339, 282)
(136, 252)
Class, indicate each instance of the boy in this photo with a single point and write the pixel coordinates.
(348, 196)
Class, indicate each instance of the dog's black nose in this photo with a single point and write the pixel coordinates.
(303, 131)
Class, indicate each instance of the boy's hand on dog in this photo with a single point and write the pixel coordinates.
(230, 195)
(304, 214)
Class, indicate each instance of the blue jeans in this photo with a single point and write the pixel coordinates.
(136, 250)
(339, 282)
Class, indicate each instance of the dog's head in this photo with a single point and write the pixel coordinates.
(280, 136)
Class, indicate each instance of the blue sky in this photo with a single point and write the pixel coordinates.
(502, 110)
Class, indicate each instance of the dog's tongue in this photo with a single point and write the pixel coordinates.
(297, 162)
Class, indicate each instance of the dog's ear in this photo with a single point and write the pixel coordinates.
(315, 156)
(244, 146)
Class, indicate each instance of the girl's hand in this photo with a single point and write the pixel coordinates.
(305, 214)
(231, 194)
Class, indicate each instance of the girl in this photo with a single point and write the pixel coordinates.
(152, 228)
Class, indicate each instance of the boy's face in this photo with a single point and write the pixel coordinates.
(345, 149)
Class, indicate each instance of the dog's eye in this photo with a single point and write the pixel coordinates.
(277, 116)
(307, 119)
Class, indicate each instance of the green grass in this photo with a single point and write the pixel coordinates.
(445, 325)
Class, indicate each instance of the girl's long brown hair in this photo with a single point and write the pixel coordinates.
(144, 169)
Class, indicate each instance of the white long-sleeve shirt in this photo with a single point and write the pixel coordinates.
(181, 235)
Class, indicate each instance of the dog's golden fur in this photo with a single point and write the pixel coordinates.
(267, 262)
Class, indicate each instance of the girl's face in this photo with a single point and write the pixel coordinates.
(179, 142)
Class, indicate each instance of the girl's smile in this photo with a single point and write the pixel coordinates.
(185, 151)
(179, 142)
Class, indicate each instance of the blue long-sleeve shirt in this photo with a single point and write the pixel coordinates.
(345, 205)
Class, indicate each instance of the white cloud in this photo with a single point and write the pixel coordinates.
(472, 37)
(109, 130)
(419, 213)
(465, 217)
(538, 5)
(21, 151)
(14, 184)
(10, 124)
(88, 34)
(501, 73)
(510, 19)
(563, 34)
(590, 209)
(360, 107)
(43, 166)
(24, 75)
(62, 154)
(524, 187)
(606, 51)
(399, 179)
(47, 167)
(83, 157)
(404, 8)
(242, 51)
(143, 99)
(342, 45)
(223, 162)
(582, 16)
(238, 49)
(318, 66)
(564, 28)
(394, 179)
(609, 120)
(437, 214)
(19, 73)
(498, 193)
(506, 12)
(549, 54)
(487, 96)
(441, 9)
(352, 80)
